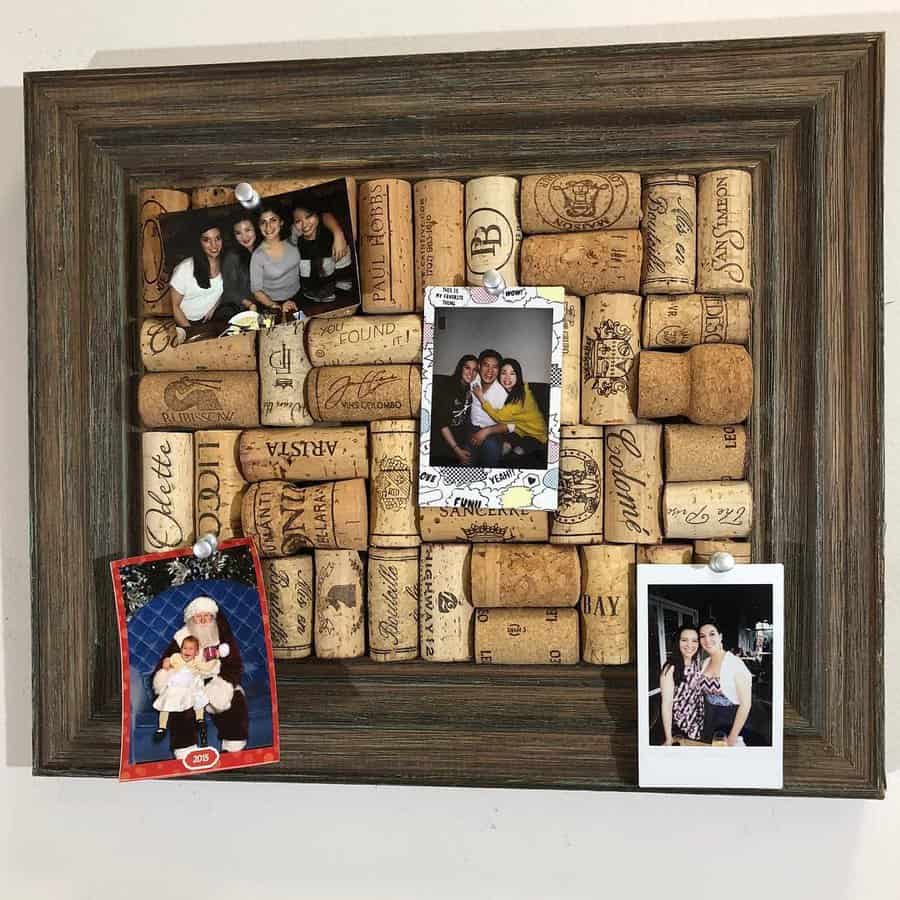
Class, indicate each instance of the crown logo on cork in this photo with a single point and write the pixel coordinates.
(579, 197)
(608, 357)
(486, 532)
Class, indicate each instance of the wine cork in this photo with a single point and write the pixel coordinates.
(340, 616)
(283, 366)
(711, 384)
(526, 636)
(593, 262)
(445, 611)
(363, 340)
(386, 246)
(305, 454)
(696, 319)
(705, 452)
(363, 393)
(283, 518)
(207, 400)
(449, 524)
(580, 201)
(289, 590)
(161, 352)
(610, 347)
(271, 187)
(218, 484)
(633, 484)
(708, 509)
(665, 554)
(524, 575)
(740, 550)
(607, 604)
(570, 395)
(155, 298)
(394, 519)
(167, 490)
(723, 232)
(393, 600)
(440, 240)
(215, 195)
(579, 515)
(669, 226)
(492, 229)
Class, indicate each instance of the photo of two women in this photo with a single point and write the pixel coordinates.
(233, 269)
(490, 393)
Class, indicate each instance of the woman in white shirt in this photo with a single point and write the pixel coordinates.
(196, 282)
(727, 686)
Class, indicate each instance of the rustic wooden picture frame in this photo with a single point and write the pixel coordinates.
(804, 114)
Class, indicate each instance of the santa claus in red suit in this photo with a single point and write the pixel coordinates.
(207, 623)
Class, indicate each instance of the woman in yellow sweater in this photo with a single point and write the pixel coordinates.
(520, 410)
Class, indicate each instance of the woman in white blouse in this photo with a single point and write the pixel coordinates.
(196, 282)
(727, 686)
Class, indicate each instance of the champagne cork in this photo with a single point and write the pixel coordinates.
(570, 396)
(394, 520)
(386, 246)
(161, 352)
(492, 229)
(705, 452)
(305, 454)
(665, 554)
(218, 484)
(216, 195)
(167, 490)
(607, 603)
(340, 617)
(363, 393)
(363, 340)
(580, 201)
(271, 187)
(155, 299)
(711, 384)
(445, 611)
(449, 524)
(610, 346)
(740, 550)
(696, 319)
(440, 241)
(204, 400)
(669, 227)
(283, 518)
(517, 575)
(579, 516)
(289, 590)
(633, 484)
(526, 636)
(283, 366)
(393, 595)
(593, 262)
(723, 232)
(708, 509)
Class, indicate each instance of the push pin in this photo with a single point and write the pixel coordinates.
(494, 283)
(206, 546)
(246, 195)
(721, 561)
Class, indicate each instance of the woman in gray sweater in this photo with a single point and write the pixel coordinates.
(275, 265)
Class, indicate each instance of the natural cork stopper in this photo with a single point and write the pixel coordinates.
(665, 554)
(155, 297)
(633, 484)
(363, 340)
(526, 636)
(439, 235)
(723, 234)
(162, 352)
(290, 593)
(607, 603)
(708, 509)
(392, 505)
(445, 610)
(199, 400)
(669, 226)
(492, 229)
(283, 367)
(579, 515)
(393, 600)
(570, 395)
(167, 490)
(705, 452)
(517, 575)
(695, 319)
(441, 523)
(386, 246)
(363, 393)
(218, 484)
(214, 195)
(340, 605)
(740, 550)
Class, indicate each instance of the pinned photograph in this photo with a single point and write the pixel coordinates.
(710, 676)
(232, 269)
(198, 681)
(491, 378)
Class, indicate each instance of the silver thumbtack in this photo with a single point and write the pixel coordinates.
(494, 283)
(206, 546)
(721, 561)
(246, 196)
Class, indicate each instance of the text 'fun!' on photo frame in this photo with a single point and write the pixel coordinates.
(491, 380)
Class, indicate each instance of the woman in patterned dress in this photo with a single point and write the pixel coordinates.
(682, 702)
(726, 686)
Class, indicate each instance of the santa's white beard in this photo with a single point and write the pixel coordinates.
(208, 635)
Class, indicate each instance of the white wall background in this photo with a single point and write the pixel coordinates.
(92, 838)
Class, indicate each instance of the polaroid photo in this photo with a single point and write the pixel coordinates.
(198, 679)
(710, 676)
(232, 269)
(491, 377)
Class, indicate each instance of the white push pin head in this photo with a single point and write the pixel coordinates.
(494, 283)
(206, 546)
(246, 196)
(721, 561)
